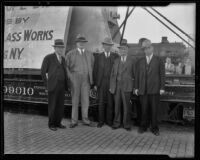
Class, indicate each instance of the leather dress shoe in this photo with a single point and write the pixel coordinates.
(141, 130)
(99, 125)
(53, 128)
(73, 125)
(61, 126)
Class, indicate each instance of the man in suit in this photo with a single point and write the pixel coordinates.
(149, 84)
(79, 69)
(122, 86)
(102, 69)
(55, 78)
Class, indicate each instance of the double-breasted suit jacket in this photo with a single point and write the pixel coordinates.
(155, 72)
(71, 61)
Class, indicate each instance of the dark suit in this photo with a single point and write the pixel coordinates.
(122, 85)
(101, 74)
(150, 79)
(56, 84)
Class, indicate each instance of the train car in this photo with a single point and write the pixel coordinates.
(29, 34)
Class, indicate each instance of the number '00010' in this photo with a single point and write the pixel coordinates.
(19, 90)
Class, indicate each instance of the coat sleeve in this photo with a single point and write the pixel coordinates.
(67, 63)
(95, 69)
(133, 72)
(162, 74)
(136, 70)
(66, 77)
(44, 70)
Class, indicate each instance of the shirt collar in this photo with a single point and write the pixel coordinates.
(124, 58)
(80, 50)
(149, 56)
(106, 53)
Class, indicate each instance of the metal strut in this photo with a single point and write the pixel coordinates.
(167, 27)
(123, 23)
(173, 24)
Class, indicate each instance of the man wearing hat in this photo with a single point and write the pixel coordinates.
(54, 76)
(122, 86)
(80, 63)
(149, 84)
(102, 69)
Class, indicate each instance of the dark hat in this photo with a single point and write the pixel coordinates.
(123, 44)
(58, 43)
(81, 38)
(108, 41)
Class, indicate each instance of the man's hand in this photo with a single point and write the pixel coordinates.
(95, 88)
(136, 92)
(162, 92)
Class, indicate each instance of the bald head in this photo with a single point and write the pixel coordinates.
(147, 47)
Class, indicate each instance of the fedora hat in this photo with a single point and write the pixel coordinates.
(80, 38)
(58, 43)
(123, 44)
(108, 41)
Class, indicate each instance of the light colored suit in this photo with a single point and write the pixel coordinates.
(80, 82)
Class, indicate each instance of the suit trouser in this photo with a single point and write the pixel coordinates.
(56, 104)
(80, 91)
(122, 97)
(106, 101)
(149, 104)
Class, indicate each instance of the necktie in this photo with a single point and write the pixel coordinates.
(82, 52)
(59, 58)
(148, 59)
(106, 54)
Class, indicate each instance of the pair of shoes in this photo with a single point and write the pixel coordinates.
(155, 132)
(99, 125)
(53, 128)
(141, 130)
(61, 126)
(73, 125)
(115, 127)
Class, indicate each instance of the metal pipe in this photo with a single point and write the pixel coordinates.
(122, 23)
(167, 27)
(172, 23)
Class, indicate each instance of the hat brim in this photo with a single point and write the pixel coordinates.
(58, 45)
(108, 43)
(81, 41)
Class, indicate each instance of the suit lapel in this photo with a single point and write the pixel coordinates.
(103, 58)
(117, 66)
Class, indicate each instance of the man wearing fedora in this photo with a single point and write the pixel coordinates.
(122, 86)
(149, 85)
(80, 63)
(102, 69)
(54, 76)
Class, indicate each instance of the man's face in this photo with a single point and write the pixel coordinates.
(123, 51)
(107, 47)
(81, 45)
(59, 50)
(148, 50)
